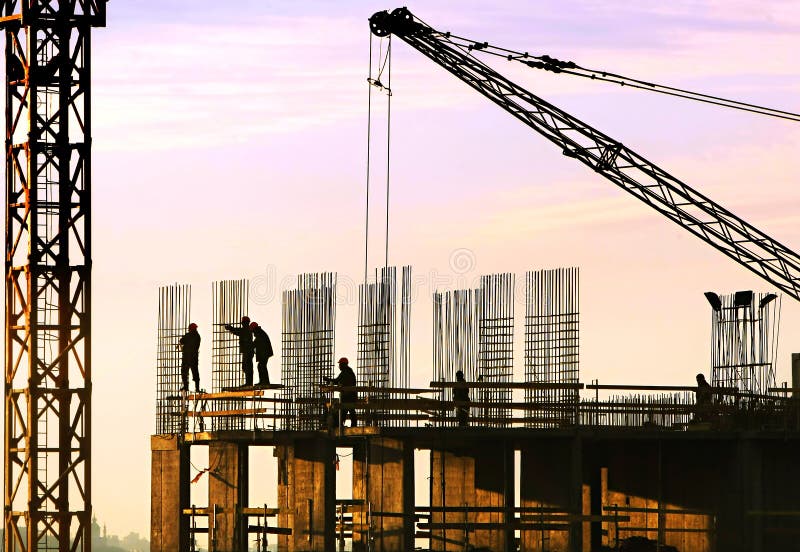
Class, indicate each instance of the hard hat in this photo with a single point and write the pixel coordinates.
(245, 319)
(343, 360)
(192, 326)
(253, 325)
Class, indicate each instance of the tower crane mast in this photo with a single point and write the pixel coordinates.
(638, 176)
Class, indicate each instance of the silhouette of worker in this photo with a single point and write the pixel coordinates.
(246, 348)
(189, 345)
(703, 399)
(461, 394)
(263, 348)
(346, 378)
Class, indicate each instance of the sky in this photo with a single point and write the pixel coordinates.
(231, 143)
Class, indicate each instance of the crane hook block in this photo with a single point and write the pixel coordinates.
(399, 22)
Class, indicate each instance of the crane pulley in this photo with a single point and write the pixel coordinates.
(638, 176)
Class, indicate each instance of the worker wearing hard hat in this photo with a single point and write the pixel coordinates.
(189, 345)
(263, 348)
(346, 378)
(246, 348)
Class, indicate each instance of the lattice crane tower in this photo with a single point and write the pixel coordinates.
(48, 273)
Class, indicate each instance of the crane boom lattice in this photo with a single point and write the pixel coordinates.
(638, 176)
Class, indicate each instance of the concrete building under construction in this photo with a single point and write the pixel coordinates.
(544, 464)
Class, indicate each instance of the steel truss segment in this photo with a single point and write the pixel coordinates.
(27, 12)
(48, 278)
(630, 171)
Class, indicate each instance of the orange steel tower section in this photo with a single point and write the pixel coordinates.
(48, 273)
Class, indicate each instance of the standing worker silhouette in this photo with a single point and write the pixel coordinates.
(461, 394)
(703, 400)
(246, 348)
(263, 351)
(346, 378)
(189, 345)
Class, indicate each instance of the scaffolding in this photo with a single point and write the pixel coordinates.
(308, 338)
(230, 303)
(174, 313)
(552, 317)
(744, 341)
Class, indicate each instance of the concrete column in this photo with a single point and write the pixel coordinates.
(169, 494)
(383, 476)
(551, 483)
(596, 476)
(307, 494)
(227, 489)
(471, 478)
(285, 495)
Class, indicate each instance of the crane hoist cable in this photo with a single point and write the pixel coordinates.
(555, 65)
(369, 141)
(385, 66)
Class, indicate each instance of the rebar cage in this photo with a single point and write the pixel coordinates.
(308, 338)
(552, 319)
(744, 341)
(230, 303)
(174, 314)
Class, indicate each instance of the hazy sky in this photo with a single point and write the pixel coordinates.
(229, 142)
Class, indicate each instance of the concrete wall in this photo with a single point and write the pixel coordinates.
(551, 482)
(473, 477)
(714, 492)
(307, 494)
(383, 476)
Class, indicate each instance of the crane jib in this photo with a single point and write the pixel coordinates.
(668, 195)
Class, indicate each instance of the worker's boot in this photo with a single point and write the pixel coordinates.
(263, 376)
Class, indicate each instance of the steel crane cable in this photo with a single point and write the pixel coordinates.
(369, 141)
(385, 64)
(555, 65)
